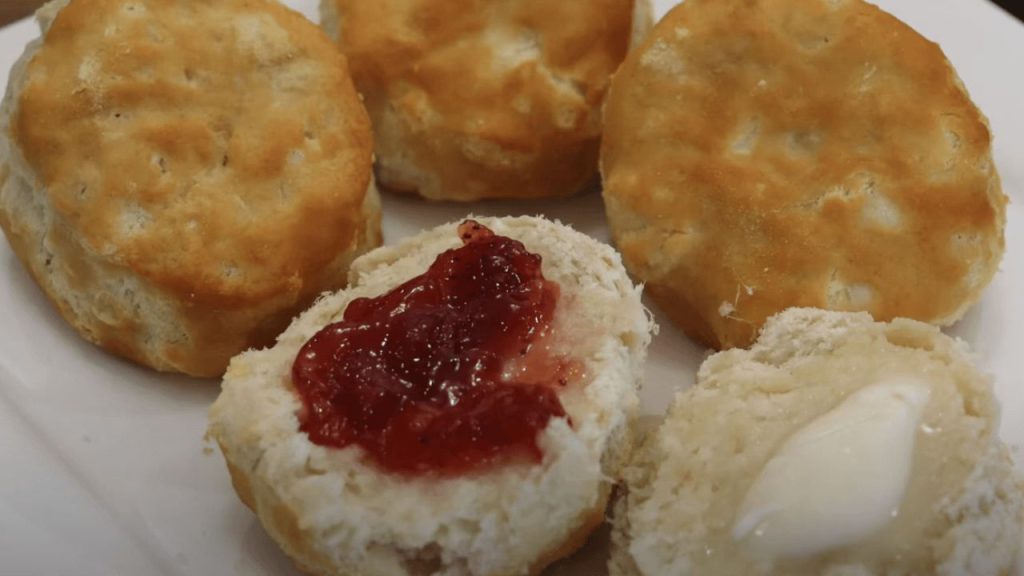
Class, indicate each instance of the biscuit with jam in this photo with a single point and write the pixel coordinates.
(464, 407)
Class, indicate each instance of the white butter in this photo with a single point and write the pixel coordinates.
(839, 478)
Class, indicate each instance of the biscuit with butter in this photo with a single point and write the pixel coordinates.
(184, 177)
(773, 153)
(835, 446)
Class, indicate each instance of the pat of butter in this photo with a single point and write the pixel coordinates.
(839, 478)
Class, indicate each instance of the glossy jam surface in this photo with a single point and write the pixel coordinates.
(446, 373)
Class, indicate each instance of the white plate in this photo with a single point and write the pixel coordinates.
(103, 468)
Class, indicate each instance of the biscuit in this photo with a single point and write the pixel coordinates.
(184, 177)
(762, 154)
(960, 511)
(335, 513)
(485, 100)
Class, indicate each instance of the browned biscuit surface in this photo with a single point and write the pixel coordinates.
(475, 99)
(762, 154)
(190, 175)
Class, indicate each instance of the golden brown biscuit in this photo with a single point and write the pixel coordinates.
(473, 100)
(774, 153)
(184, 177)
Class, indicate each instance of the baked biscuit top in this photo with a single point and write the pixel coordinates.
(218, 149)
(776, 153)
(511, 88)
(461, 56)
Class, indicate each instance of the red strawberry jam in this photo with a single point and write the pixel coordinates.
(430, 377)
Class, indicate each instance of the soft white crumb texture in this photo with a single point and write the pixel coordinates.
(363, 521)
(960, 514)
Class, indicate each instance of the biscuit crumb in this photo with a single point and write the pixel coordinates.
(726, 309)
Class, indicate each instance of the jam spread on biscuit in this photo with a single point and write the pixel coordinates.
(448, 372)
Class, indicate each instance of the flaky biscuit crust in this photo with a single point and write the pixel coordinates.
(761, 154)
(212, 160)
(474, 99)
